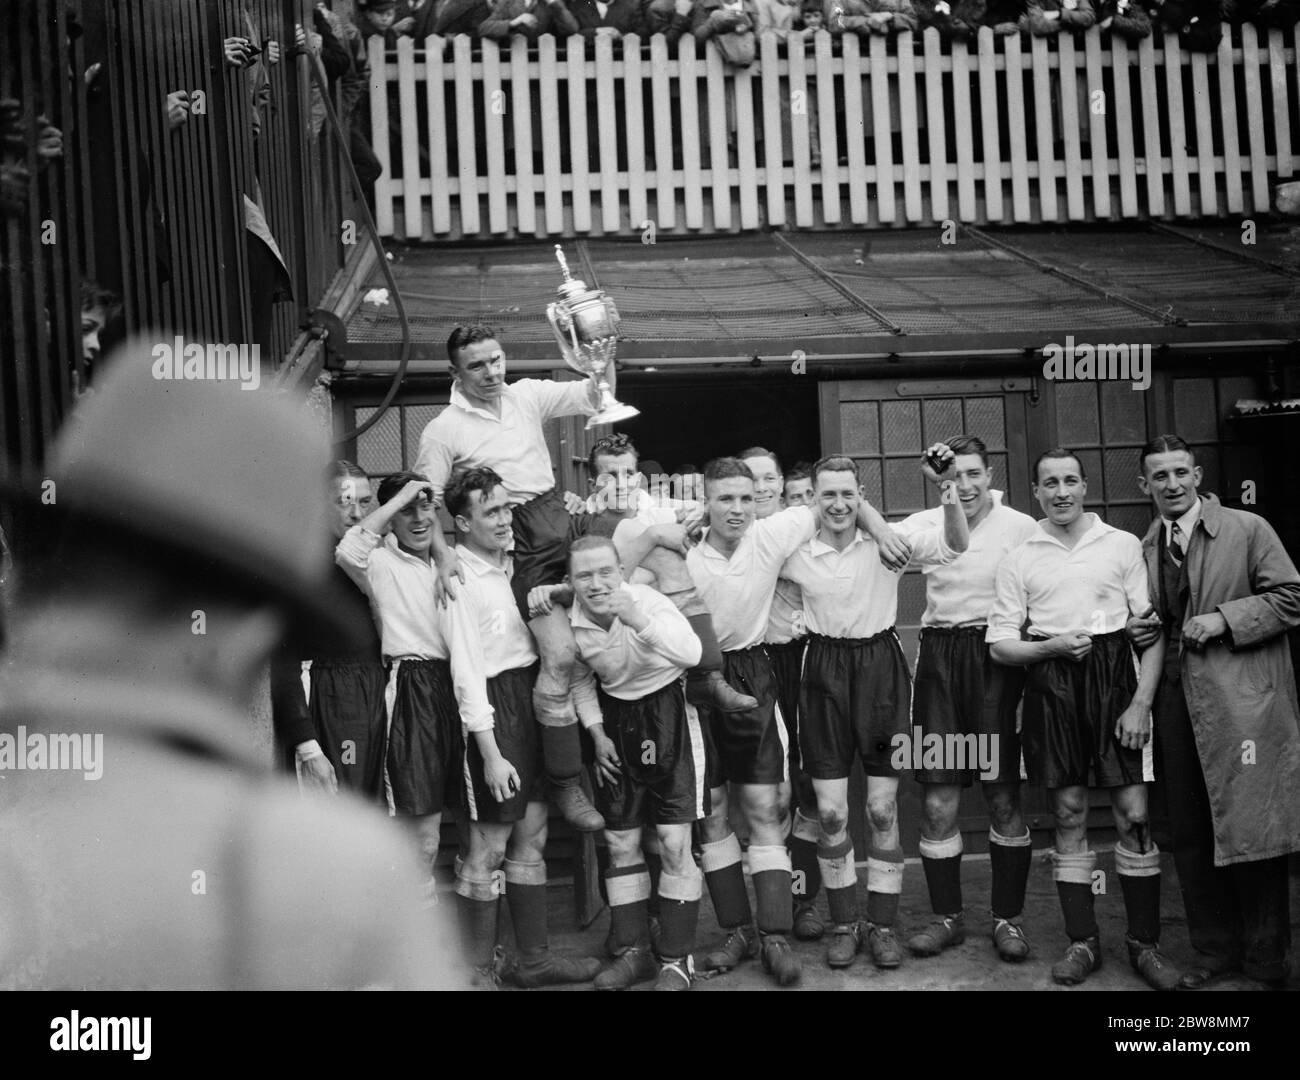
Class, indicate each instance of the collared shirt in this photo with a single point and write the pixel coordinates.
(400, 587)
(486, 635)
(1092, 587)
(1186, 524)
(738, 590)
(960, 593)
(513, 445)
(850, 593)
(632, 664)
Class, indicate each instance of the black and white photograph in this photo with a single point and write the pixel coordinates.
(684, 495)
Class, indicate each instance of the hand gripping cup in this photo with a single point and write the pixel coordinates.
(585, 322)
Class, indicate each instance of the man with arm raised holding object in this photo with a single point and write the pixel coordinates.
(960, 690)
(489, 424)
(856, 694)
(1087, 721)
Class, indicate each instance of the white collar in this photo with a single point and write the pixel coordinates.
(390, 542)
(458, 398)
(480, 566)
(818, 547)
(1186, 523)
(1099, 529)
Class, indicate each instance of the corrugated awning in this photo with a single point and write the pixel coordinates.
(846, 294)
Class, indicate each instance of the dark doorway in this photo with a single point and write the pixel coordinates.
(688, 420)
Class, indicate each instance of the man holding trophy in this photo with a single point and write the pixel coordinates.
(489, 424)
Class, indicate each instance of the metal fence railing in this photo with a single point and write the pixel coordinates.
(152, 205)
(572, 137)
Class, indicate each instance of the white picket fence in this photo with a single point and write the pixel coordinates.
(1093, 129)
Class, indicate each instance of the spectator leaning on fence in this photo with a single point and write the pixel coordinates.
(596, 17)
(1198, 23)
(1124, 18)
(867, 17)
(1046, 18)
(528, 18)
(415, 18)
(672, 18)
(378, 17)
(1265, 14)
(461, 17)
(730, 23)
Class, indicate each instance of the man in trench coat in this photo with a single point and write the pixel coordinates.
(1227, 726)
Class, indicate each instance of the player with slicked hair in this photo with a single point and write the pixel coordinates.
(856, 695)
(650, 762)
(960, 691)
(736, 568)
(388, 555)
(494, 664)
(1087, 715)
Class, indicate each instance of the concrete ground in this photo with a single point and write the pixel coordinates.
(970, 966)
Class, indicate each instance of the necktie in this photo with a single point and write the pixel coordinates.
(1176, 544)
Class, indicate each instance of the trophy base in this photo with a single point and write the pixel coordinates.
(615, 414)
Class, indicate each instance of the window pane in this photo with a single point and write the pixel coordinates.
(379, 450)
(942, 420)
(860, 427)
(869, 470)
(417, 418)
(1076, 414)
(1123, 413)
(985, 418)
(900, 424)
(904, 486)
(1121, 474)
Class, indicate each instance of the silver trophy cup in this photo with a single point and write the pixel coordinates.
(585, 322)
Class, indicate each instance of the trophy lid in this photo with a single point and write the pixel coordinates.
(570, 286)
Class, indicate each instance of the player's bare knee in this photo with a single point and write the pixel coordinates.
(882, 813)
(675, 850)
(624, 846)
(1004, 812)
(1071, 816)
(939, 812)
(834, 821)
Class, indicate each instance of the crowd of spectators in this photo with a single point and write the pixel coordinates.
(1199, 24)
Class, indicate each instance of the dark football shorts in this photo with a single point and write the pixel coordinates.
(543, 530)
(856, 697)
(747, 747)
(511, 696)
(425, 745)
(346, 704)
(960, 691)
(787, 666)
(1069, 718)
(661, 747)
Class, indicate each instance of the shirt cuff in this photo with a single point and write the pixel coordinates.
(995, 633)
(356, 545)
(479, 720)
(305, 751)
